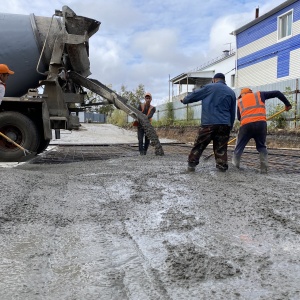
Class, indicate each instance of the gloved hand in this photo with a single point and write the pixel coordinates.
(287, 108)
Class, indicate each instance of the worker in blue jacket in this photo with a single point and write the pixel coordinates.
(217, 119)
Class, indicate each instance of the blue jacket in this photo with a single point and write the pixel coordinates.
(218, 103)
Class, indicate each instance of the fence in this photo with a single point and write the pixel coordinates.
(180, 111)
(185, 112)
(91, 117)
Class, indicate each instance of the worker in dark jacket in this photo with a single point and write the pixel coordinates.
(149, 110)
(217, 118)
(251, 113)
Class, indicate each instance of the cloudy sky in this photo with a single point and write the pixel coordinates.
(147, 41)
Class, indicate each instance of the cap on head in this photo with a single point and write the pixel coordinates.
(245, 91)
(5, 70)
(148, 94)
(220, 76)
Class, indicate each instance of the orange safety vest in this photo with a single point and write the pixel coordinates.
(148, 112)
(252, 109)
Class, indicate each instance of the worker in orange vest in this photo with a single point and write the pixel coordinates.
(251, 112)
(4, 73)
(149, 110)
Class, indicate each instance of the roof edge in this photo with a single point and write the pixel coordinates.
(263, 17)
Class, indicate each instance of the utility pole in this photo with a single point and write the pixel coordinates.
(169, 89)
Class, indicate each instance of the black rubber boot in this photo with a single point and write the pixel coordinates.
(191, 167)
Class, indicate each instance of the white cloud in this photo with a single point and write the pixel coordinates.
(159, 45)
(146, 41)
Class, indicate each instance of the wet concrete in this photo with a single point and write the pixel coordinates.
(141, 227)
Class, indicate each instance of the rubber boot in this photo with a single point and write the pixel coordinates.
(263, 162)
(191, 167)
(236, 161)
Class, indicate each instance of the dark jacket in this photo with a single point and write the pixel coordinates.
(218, 103)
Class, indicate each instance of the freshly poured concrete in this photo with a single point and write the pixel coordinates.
(143, 228)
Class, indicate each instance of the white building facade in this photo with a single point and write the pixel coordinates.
(268, 48)
(194, 79)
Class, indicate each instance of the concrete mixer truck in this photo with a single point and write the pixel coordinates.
(52, 53)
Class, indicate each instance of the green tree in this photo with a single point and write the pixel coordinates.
(280, 122)
(189, 113)
(118, 117)
(170, 113)
(134, 97)
(92, 101)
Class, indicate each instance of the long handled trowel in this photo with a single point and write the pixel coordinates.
(231, 141)
(27, 154)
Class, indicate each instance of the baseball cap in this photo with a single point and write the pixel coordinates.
(220, 76)
(148, 94)
(4, 69)
(245, 91)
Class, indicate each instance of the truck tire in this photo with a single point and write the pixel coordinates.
(21, 130)
(43, 145)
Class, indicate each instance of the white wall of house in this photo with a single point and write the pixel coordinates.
(258, 74)
(265, 57)
(227, 67)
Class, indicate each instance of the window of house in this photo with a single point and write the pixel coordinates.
(285, 22)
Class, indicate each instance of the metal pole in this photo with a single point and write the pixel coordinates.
(187, 92)
(187, 83)
(172, 90)
(169, 90)
(296, 106)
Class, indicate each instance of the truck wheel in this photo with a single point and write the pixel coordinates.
(21, 130)
(43, 145)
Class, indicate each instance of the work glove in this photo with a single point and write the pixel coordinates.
(287, 108)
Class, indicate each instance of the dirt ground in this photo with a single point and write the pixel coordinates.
(280, 138)
(141, 227)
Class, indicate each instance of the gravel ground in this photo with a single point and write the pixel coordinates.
(141, 227)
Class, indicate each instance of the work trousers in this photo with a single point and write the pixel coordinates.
(219, 134)
(255, 130)
(143, 140)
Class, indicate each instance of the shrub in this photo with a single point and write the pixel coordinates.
(118, 117)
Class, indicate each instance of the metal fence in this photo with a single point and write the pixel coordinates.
(91, 117)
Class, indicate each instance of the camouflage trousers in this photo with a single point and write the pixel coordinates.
(219, 134)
